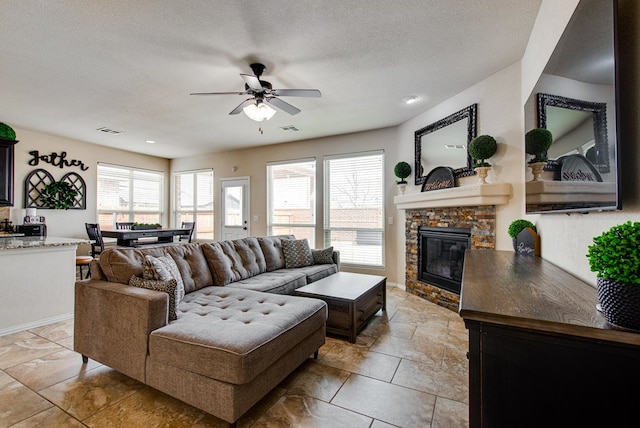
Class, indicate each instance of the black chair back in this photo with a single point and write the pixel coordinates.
(124, 225)
(187, 225)
(97, 243)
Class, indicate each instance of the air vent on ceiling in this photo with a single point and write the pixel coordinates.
(454, 146)
(109, 131)
(289, 128)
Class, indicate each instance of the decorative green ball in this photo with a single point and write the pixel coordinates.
(518, 226)
(537, 142)
(481, 148)
(7, 132)
(402, 170)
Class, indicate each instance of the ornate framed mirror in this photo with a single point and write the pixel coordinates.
(445, 143)
(578, 127)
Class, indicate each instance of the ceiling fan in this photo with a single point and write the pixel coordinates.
(263, 96)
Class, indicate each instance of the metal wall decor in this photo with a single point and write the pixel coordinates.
(39, 178)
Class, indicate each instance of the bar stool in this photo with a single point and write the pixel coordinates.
(81, 263)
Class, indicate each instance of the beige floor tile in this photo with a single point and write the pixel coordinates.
(380, 424)
(67, 343)
(380, 326)
(150, 408)
(433, 380)
(42, 372)
(302, 411)
(316, 380)
(5, 379)
(15, 337)
(360, 360)
(50, 418)
(17, 403)
(55, 331)
(414, 349)
(388, 403)
(24, 350)
(450, 414)
(91, 391)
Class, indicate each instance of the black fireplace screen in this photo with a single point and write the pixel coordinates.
(441, 256)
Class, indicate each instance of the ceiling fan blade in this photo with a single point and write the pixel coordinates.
(252, 81)
(309, 93)
(282, 105)
(242, 105)
(218, 93)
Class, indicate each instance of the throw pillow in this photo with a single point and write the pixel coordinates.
(163, 269)
(169, 287)
(322, 257)
(296, 253)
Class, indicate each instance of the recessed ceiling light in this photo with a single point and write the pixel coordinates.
(410, 99)
(151, 142)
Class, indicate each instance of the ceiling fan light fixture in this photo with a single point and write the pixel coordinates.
(259, 111)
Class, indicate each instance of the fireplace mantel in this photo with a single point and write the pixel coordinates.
(464, 196)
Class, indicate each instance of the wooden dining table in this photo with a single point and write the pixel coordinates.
(135, 237)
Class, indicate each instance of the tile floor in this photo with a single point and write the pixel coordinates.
(407, 369)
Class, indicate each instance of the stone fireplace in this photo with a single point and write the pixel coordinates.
(480, 220)
(471, 207)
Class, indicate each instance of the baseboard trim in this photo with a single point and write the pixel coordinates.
(34, 324)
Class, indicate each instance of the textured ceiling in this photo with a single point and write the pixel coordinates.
(70, 67)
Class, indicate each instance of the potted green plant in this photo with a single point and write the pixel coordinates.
(527, 243)
(58, 195)
(402, 170)
(537, 142)
(615, 257)
(482, 148)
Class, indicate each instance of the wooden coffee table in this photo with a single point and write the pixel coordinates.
(353, 299)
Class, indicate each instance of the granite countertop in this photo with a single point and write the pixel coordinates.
(12, 243)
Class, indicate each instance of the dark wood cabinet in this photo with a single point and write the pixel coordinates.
(540, 355)
(6, 172)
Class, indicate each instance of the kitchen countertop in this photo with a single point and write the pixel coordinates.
(11, 243)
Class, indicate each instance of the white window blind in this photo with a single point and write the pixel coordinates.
(129, 195)
(354, 207)
(193, 201)
(291, 199)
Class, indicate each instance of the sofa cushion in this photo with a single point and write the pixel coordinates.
(163, 269)
(272, 250)
(314, 272)
(280, 282)
(192, 264)
(296, 253)
(252, 331)
(321, 257)
(221, 258)
(251, 256)
(169, 286)
(120, 264)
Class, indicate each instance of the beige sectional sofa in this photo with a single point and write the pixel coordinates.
(238, 332)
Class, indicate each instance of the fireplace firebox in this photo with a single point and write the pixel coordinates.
(441, 256)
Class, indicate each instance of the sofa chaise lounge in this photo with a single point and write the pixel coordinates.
(237, 332)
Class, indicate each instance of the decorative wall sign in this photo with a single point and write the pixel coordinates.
(578, 168)
(55, 159)
(527, 243)
(441, 177)
(39, 178)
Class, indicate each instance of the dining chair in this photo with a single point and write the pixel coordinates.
(124, 225)
(187, 225)
(97, 243)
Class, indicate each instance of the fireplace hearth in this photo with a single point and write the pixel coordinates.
(441, 256)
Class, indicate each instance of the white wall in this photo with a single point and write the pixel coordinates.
(70, 223)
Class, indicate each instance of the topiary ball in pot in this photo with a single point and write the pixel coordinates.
(402, 170)
(615, 257)
(518, 226)
(7, 132)
(537, 142)
(482, 148)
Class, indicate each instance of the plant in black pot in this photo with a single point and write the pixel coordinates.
(482, 148)
(402, 170)
(537, 142)
(615, 257)
(7, 132)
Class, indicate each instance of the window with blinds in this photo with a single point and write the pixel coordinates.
(193, 201)
(354, 207)
(129, 195)
(291, 199)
